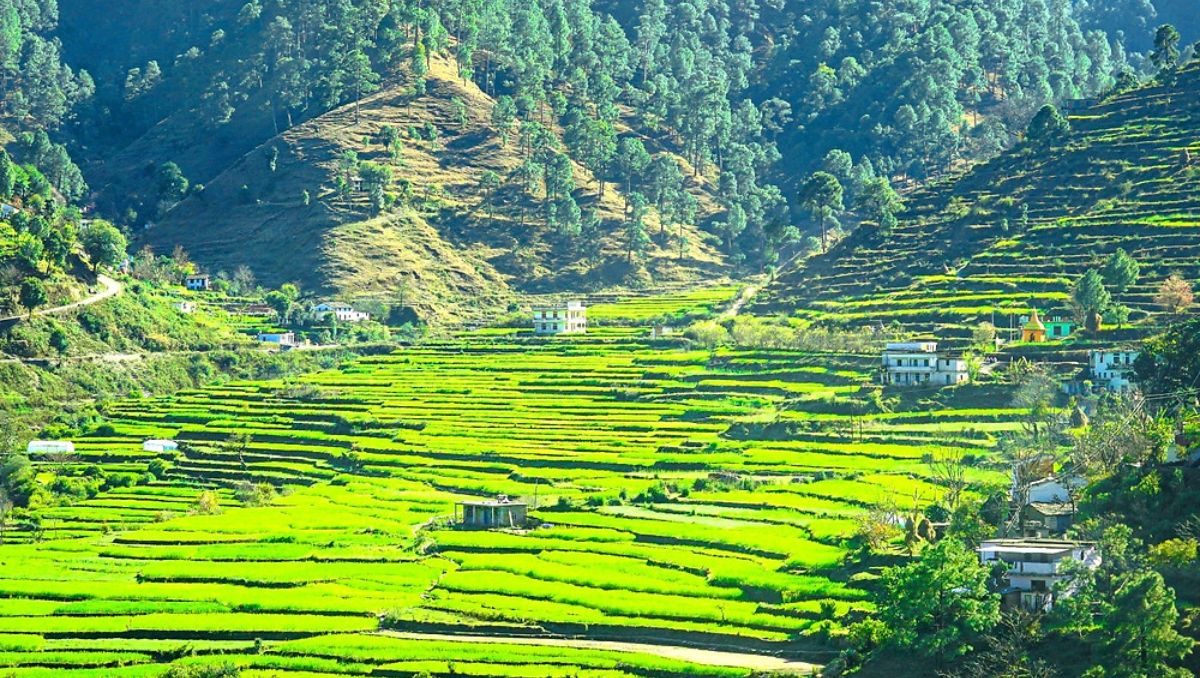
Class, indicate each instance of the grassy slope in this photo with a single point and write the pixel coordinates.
(1121, 181)
(440, 251)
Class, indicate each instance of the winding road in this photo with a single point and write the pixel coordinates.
(111, 289)
(754, 662)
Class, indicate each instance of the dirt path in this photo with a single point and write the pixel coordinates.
(744, 297)
(754, 662)
(111, 289)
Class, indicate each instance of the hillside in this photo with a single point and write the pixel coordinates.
(1127, 176)
(450, 241)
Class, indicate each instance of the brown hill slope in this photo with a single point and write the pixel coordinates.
(448, 246)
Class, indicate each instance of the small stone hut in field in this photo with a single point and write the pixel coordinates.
(491, 513)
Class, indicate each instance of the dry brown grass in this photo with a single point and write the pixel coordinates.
(447, 257)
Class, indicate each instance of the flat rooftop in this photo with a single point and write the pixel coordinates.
(1033, 546)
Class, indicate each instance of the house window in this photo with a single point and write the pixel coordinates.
(543, 327)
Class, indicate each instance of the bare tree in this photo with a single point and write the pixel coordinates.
(6, 507)
(60, 459)
(947, 469)
(1007, 653)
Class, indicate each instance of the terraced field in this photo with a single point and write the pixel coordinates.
(681, 498)
(1017, 232)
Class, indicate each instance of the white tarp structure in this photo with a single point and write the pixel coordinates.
(50, 447)
(159, 446)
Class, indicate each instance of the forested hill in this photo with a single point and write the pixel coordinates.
(707, 116)
(1124, 174)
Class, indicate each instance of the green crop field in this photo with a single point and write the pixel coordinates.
(668, 506)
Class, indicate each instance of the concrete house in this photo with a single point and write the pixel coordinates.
(184, 306)
(284, 339)
(1048, 490)
(1060, 327)
(7, 210)
(569, 318)
(157, 446)
(492, 513)
(1113, 370)
(344, 313)
(198, 283)
(1037, 568)
(920, 363)
(1043, 520)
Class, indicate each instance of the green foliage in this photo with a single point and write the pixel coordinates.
(104, 244)
(32, 294)
(939, 605)
(1165, 55)
(1121, 271)
(822, 196)
(172, 185)
(1091, 297)
(1169, 364)
(1047, 127)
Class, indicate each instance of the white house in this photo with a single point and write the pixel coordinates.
(569, 318)
(661, 331)
(49, 447)
(159, 446)
(286, 339)
(920, 362)
(1113, 369)
(1036, 568)
(1049, 490)
(7, 210)
(197, 283)
(184, 306)
(344, 313)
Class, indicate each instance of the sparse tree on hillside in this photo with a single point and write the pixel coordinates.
(172, 185)
(360, 77)
(1092, 299)
(1121, 271)
(1165, 55)
(489, 181)
(1047, 127)
(1174, 295)
(880, 203)
(632, 160)
(636, 239)
(822, 196)
(32, 295)
(984, 336)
